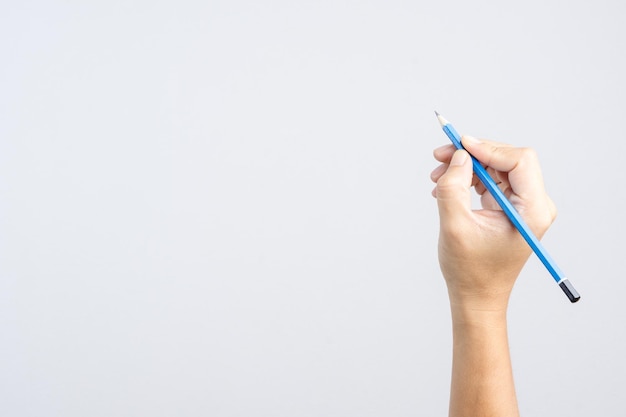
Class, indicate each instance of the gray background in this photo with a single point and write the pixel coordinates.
(222, 208)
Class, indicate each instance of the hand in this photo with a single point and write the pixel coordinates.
(480, 251)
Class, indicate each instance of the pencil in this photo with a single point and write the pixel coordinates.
(513, 215)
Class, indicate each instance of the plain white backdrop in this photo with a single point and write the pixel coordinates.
(222, 208)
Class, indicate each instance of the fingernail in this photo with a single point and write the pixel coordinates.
(471, 139)
(458, 158)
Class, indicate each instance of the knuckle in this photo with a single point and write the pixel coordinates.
(553, 210)
(543, 218)
(448, 184)
(528, 154)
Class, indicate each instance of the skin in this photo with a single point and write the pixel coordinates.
(481, 255)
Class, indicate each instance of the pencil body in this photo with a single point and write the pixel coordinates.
(513, 216)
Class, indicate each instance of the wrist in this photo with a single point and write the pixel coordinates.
(480, 291)
(467, 317)
(479, 308)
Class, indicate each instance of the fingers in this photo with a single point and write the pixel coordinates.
(438, 172)
(453, 188)
(518, 174)
(489, 142)
(441, 169)
(444, 153)
(517, 166)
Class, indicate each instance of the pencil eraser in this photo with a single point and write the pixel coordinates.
(569, 290)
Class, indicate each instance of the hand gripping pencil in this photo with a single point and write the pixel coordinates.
(513, 215)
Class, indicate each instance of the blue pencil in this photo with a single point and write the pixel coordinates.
(513, 215)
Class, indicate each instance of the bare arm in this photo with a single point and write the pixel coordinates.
(481, 254)
(482, 379)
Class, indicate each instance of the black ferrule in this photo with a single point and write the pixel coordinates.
(569, 290)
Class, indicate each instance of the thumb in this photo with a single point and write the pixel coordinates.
(453, 187)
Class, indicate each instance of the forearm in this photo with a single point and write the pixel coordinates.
(482, 378)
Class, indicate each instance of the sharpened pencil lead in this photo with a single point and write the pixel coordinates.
(442, 121)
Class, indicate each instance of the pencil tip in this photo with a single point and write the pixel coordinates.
(442, 121)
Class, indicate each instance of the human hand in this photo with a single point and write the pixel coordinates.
(480, 251)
